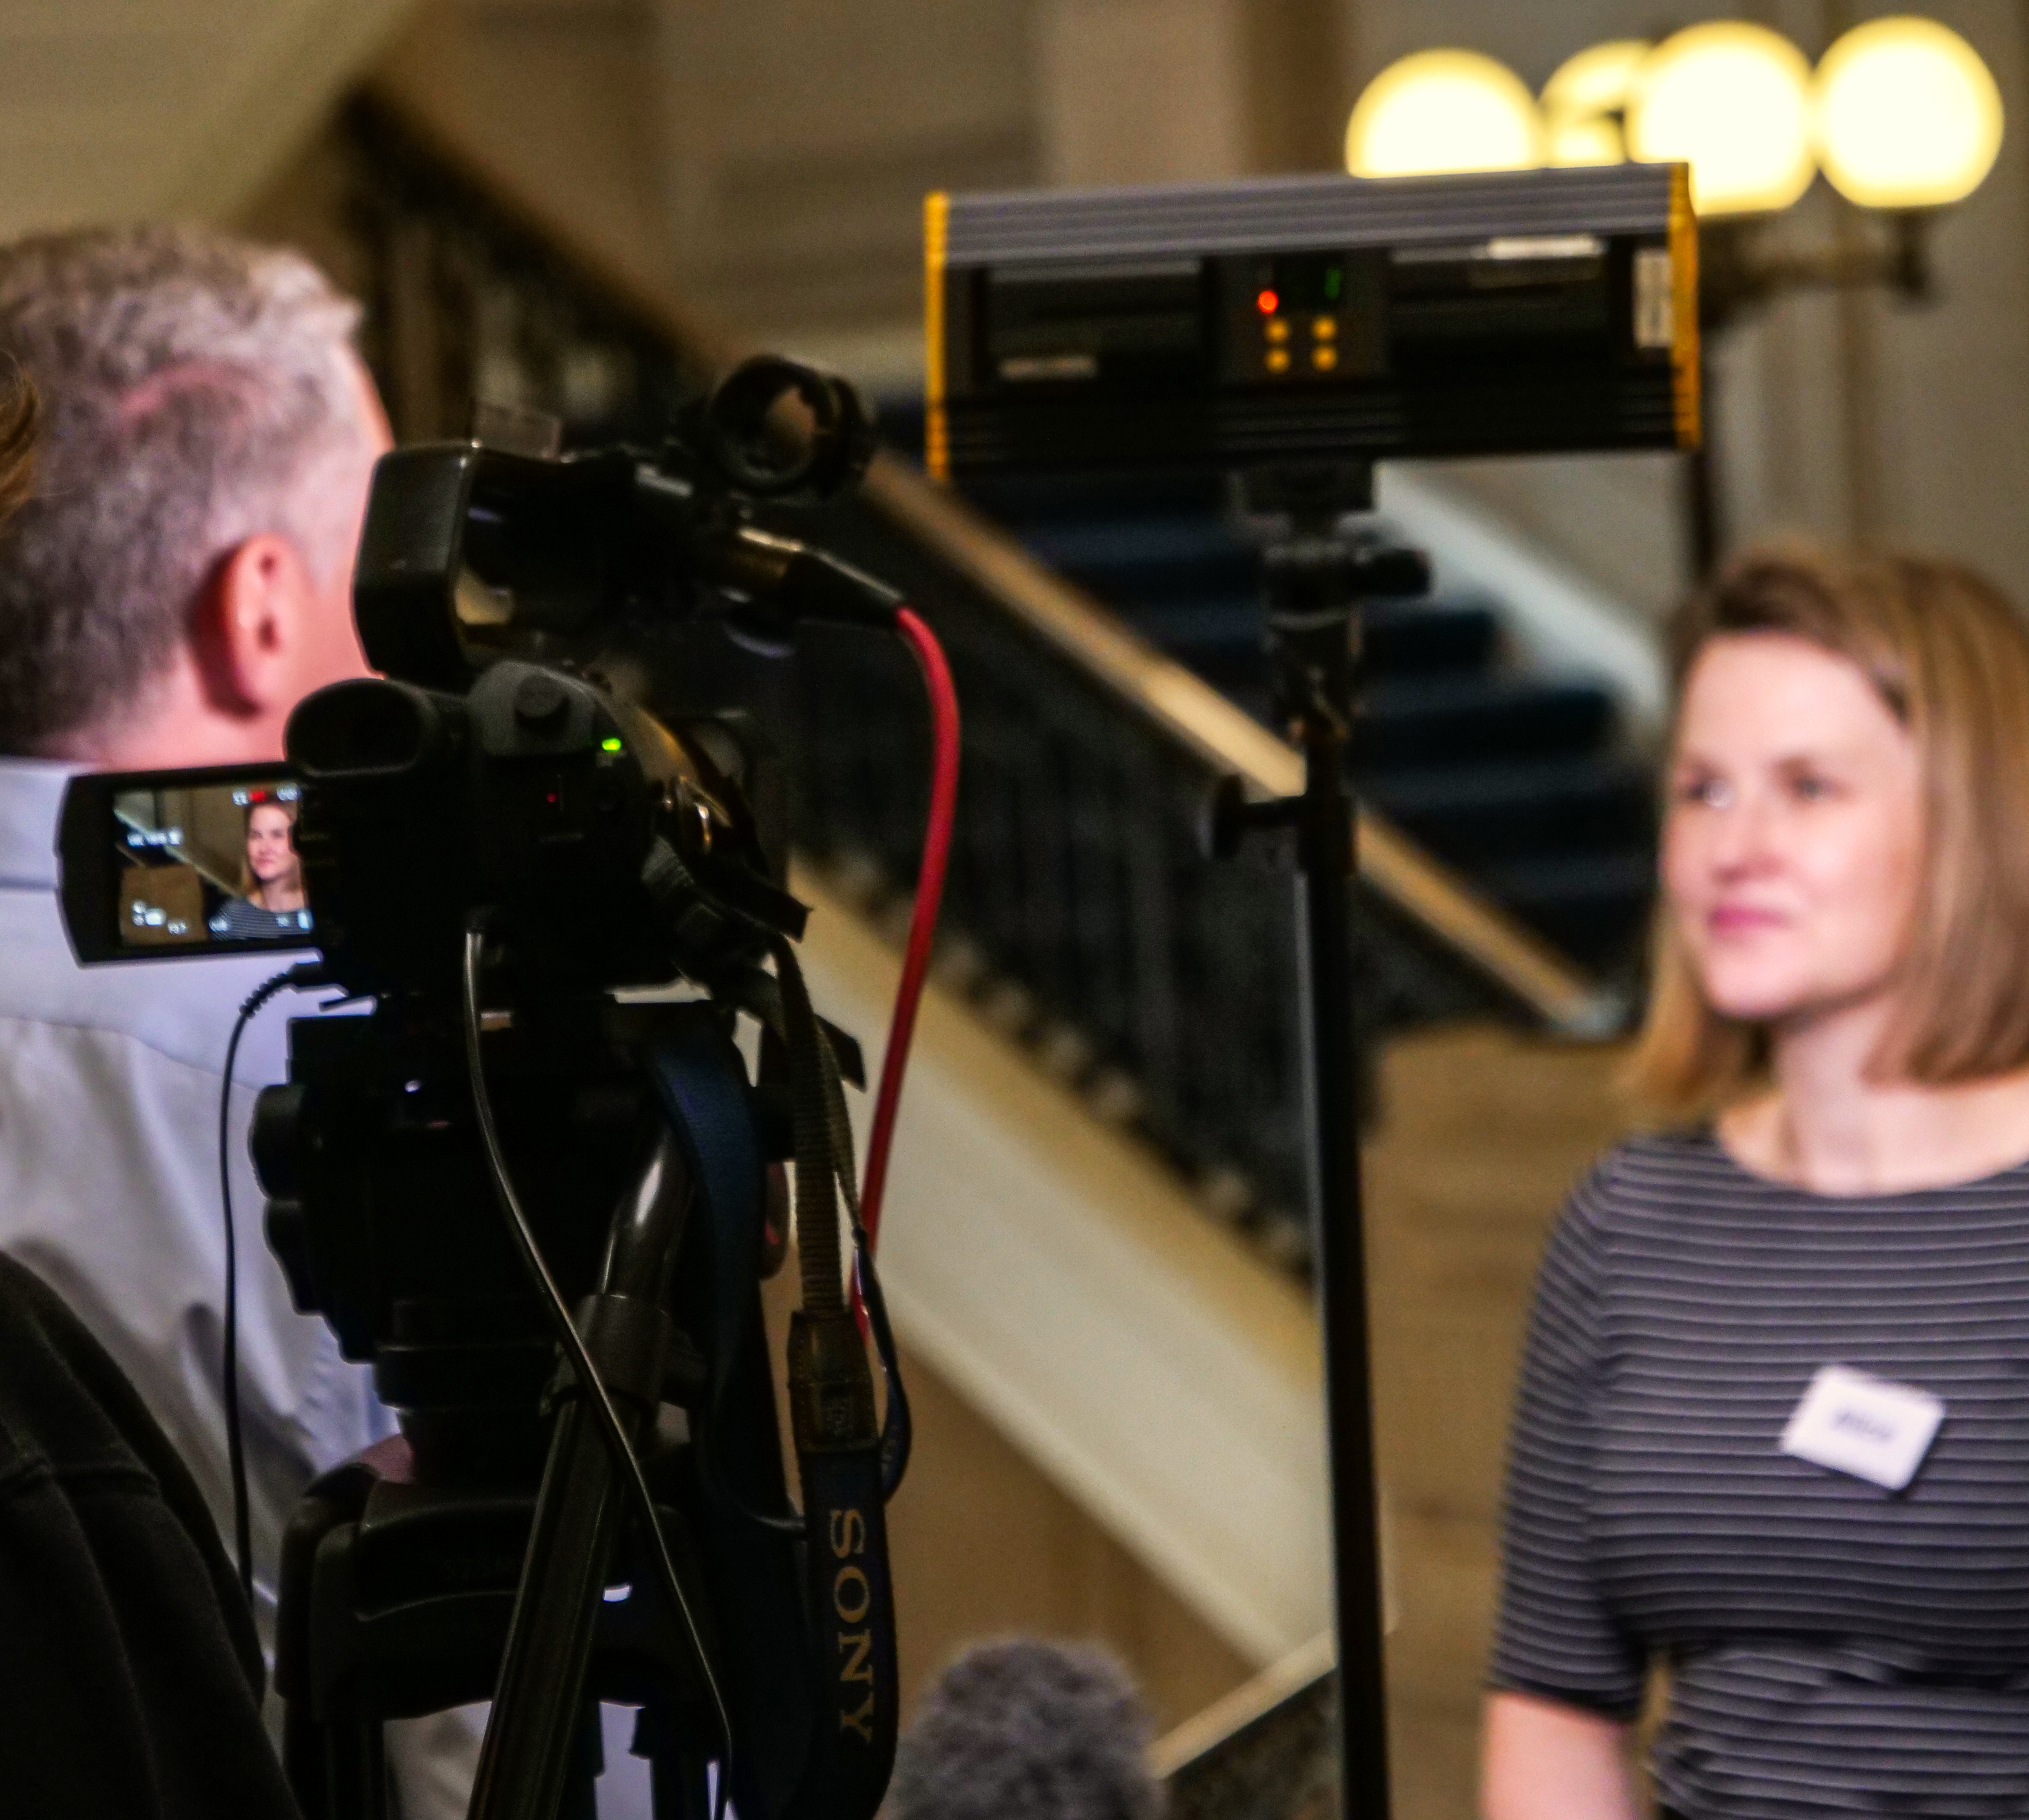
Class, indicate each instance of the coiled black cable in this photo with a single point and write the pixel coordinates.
(304, 977)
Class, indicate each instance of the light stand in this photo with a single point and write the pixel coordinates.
(1316, 571)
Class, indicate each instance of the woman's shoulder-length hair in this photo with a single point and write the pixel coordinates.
(19, 419)
(1950, 656)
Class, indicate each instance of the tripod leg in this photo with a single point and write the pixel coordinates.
(306, 1760)
(678, 1784)
(580, 1801)
(526, 1762)
(356, 1769)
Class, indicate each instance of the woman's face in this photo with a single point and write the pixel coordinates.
(1795, 830)
(270, 855)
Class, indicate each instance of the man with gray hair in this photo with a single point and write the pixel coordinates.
(179, 579)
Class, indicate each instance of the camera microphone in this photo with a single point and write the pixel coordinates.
(781, 583)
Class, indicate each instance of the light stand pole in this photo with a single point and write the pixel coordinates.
(1316, 572)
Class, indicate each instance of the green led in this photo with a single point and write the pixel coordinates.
(613, 743)
(1333, 280)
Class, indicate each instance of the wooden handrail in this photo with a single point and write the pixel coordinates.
(1089, 634)
(1253, 1701)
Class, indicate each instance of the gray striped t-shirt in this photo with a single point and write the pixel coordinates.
(1834, 1647)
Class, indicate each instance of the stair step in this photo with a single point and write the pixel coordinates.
(1396, 639)
(1181, 558)
(1595, 907)
(1449, 719)
(1473, 814)
(1439, 634)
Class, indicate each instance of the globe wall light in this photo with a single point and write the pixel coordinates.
(1905, 120)
(1902, 114)
(1585, 103)
(1441, 111)
(1907, 116)
(1733, 101)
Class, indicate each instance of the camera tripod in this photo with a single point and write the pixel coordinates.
(399, 1594)
(1316, 573)
(485, 1554)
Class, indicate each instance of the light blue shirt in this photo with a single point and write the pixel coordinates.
(109, 1080)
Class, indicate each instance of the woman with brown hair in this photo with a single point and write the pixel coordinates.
(271, 901)
(18, 416)
(1773, 1429)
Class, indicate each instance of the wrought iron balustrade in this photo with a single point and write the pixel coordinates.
(1082, 911)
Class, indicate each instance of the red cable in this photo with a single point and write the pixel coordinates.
(930, 896)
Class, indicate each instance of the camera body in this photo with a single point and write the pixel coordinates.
(610, 852)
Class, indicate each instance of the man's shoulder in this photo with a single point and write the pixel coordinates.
(182, 1009)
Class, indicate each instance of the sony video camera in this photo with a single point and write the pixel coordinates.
(489, 841)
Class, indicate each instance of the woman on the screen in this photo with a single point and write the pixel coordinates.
(272, 901)
(1773, 1433)
(273, 877)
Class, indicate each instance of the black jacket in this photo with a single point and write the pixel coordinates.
(130, 1675)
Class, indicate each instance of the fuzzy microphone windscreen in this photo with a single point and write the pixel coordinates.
(1027, 1730)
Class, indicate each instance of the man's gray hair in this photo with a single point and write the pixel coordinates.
(197, 390)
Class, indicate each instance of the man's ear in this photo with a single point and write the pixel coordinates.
(250, 619)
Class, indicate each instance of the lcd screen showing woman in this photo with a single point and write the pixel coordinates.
(271, 900)
(1772, 1436)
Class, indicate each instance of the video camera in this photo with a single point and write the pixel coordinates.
(541, 1210)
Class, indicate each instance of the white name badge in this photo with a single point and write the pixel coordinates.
(1866, 1426)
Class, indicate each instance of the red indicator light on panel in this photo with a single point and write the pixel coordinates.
(1268, 303)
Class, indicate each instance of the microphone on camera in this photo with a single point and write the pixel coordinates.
(783, 582)
(1023, 1730)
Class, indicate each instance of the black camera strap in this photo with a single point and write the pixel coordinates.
(839, 1446)
(760, 995)
(848, 1461)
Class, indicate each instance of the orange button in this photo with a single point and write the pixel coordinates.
(1324, 359)
(1278, 330)
(1277, 359)
(1324, 328)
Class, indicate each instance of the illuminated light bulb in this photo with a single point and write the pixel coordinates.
(1444, 111)
(1598, 80)
(1733, 102)
(1596, 141)
(1583, 96)
(1906, 115)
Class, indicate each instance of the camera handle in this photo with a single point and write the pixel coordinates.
(1316, 571)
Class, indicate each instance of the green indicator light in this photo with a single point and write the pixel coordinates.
(1333, 280)
(613, 745)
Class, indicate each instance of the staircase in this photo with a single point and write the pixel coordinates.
(1520, 781)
